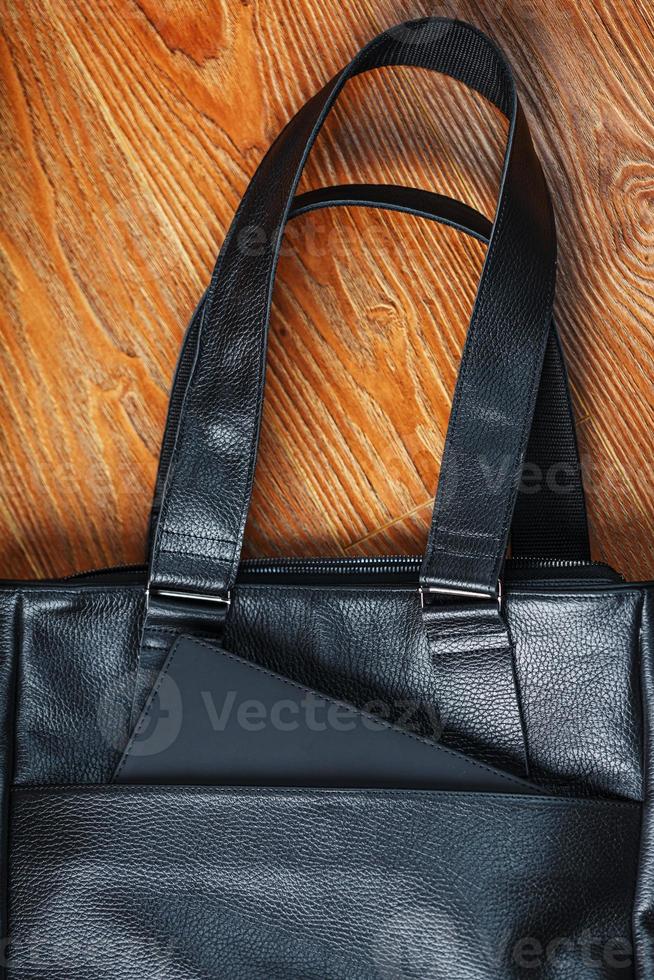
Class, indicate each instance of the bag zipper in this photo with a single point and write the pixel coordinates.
(392, 562)
(406, 568)
(345, 570)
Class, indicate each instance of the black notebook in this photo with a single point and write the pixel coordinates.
(214, 718)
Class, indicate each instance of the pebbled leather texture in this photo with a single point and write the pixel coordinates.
(576, 655)
(76, 677)
(180, 883)
(472, 658)
(576, 660)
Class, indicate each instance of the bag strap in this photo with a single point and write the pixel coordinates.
(200, 530)
(550, 523)
(549, 519)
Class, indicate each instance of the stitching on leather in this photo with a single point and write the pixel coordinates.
(117, 590)
(482, 293)
(194, 554)
(467, 534)
(200, 537)
(488, 649)
(317, 793)
(331, 700)
(519, 693)
(572, 595)
(463, 554)
(470, 344)
(523, 435)
(206, 634)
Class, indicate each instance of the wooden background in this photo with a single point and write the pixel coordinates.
(129, 130)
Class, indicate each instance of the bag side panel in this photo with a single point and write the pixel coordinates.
(79, 652)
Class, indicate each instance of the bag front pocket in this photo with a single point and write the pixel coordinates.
(259, 884)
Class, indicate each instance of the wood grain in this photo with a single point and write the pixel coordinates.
(129, 130)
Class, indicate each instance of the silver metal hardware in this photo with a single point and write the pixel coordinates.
(222, 600)
(424, 590)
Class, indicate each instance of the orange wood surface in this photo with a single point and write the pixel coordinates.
(129, 130)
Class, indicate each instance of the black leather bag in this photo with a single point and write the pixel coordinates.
(484, 812)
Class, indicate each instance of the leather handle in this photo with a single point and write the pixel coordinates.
(550, 519)
(206, 496)
(394, 197)
(548, 524)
